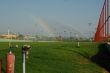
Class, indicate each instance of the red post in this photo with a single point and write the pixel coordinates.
(10, 63)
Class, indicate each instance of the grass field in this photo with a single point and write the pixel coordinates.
(55, 57)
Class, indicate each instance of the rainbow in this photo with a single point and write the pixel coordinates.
(45, 26)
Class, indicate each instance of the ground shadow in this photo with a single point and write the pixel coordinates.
(102, 58)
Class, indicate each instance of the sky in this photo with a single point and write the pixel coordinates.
(49, 16)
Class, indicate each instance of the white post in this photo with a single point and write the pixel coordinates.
(77, 37)
(78, 44)
(24, 67)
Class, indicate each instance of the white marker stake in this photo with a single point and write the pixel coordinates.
(78, 44)
(24, 62)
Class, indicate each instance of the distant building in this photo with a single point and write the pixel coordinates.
(8, 36)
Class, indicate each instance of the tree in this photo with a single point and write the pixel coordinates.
(21, 36)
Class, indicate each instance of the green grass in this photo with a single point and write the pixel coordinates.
(55, 57)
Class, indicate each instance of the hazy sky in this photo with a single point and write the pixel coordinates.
(36, 16)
